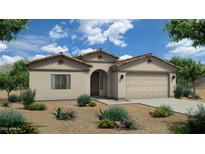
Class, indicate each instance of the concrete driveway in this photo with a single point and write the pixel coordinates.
(178, 105)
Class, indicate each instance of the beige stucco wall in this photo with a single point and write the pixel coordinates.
(172, 84)
(94, 57)
(41, 82)
(142, 66)
(200, 83)
(106, 68)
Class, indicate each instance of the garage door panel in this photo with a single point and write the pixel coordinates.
(146, 85)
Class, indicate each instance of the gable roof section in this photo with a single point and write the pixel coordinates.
(95, 52)
(137, 58)
(59, 55)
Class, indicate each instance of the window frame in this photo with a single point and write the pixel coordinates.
(61, 76)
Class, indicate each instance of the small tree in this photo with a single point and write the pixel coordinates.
(19, 72)
(7, 83)
(193, 71)
(189, 71)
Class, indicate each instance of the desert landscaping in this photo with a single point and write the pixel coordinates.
(86, 121)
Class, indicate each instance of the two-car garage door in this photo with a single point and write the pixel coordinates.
(146, 85)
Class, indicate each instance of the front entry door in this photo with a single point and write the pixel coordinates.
(95, 84)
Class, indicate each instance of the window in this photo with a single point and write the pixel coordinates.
(101, 82)
(59, 81)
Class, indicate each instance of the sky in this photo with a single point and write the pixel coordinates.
(123, 38)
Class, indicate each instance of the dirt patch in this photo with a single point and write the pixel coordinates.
(86, 122)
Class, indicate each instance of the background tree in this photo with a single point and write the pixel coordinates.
(10, 27)
(19, 73)
(7, 82)
(193, 29)
(189, 71)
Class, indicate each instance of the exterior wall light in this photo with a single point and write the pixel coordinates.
(173, 77)
(121, 77)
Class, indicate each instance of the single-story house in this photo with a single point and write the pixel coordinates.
(101, 74)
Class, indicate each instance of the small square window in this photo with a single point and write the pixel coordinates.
(60, 81)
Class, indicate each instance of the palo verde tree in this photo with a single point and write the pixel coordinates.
(19, 73)
(10, 27)
(7, 82)
(189, 71)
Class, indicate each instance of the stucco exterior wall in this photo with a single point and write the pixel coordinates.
(106, 68)
(41, 82)
(200, 83)
(172, 84)
(114, 87)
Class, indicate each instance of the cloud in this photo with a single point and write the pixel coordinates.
(125, 57)
(82, 51)
(73, 37)
(58, 32)
(54, 48)
(4, 59)
(37, 57)
(3, 46)
(184, 48)
(26, 44)
(100, 31)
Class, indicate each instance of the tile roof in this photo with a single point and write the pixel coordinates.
(97, 51)
(130, 60)
(58, 55)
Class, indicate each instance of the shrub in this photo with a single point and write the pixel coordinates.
(195, 123)
(60, 114)
(114, 113)
(28, 98)
(129, 124)
(14, 98)
(162, 111)
(178, 92)
(10, 119)
(106, 123)
(187, 92)
(37, 106)
(83, 100)
(25, 129)
(92, 104)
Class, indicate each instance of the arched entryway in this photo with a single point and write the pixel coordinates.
(98, 83)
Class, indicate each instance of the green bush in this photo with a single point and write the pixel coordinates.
(178, 92)
(25, 129)
(28, 98)
(92, 104)
(14, 98)
(195, 123)
(37, 106)
(129, 124)
(83, 100)
(114, 113)
(163, 111)
(60, 114)
(106, 123)
(10, 119)
(186, 92)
